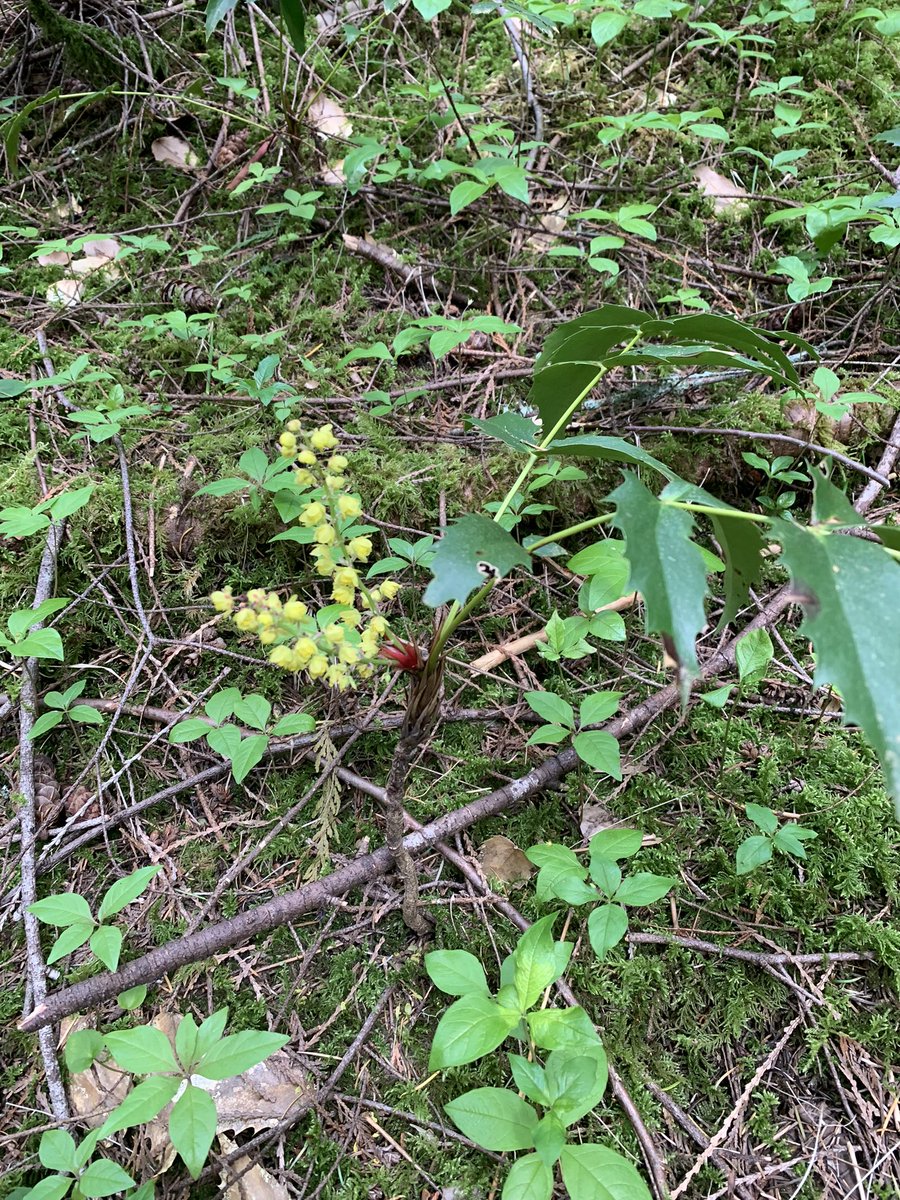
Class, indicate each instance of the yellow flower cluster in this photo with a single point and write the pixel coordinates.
(344, 646)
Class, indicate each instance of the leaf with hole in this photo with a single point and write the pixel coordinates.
(473, 551)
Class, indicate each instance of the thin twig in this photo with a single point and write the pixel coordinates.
(750, 956)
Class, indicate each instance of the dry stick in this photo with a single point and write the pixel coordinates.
(750, 956)
(652, 1157)
(28, 703)
(280, 910)
(722, 1133)
(507, 650)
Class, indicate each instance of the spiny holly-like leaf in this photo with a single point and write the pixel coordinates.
(830, 505)
(573, 355)
(470, 553)
(667, 568)
(850, 592)
(741, 542)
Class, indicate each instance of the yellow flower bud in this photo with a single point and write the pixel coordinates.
(313, 514)
(349, 506)
(287, 445)
(389, 588)
(347, 577)
(294, 426)
(348, 654)
(323, 438)
(337, 677)
(222, 601)
(304, 649)
(295, 610)
(265, 620)
(326, 535)
(375, 593)
(246, 619)
(378, 625)
(282, 656)
(364, 671)
(256, 597)
(318, 665)
(306, 458)
(335, 483)
(273, 602)
(325, 564)
(337, 462)
(304, 478)
(350, 617)
(334, 634)
(267, 636)
(360, 547)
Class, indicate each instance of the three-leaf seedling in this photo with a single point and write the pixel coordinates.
(60, 705)
(595, 747)
(72, 913)
(758, 849)
(242, 751)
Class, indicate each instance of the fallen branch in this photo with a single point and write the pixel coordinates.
(281, 910)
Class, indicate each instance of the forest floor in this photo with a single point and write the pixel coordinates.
(178, 156)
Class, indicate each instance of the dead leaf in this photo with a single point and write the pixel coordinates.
(66, 293)
(93, 1093)
(502, 859)
(255, 1182)
(259, 1098)
(102, 248)
(57, 258)
(725, 195)
(174, 152)
(334, 176)
(328, 119)
(87, 265)
(594, 817)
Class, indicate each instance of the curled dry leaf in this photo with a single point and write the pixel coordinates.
(502, 859)
(66, 293)
(334, 176)
(57, 258)
(254, 1182)
(102, 248)
(87, 266)
(725, 195)
(97, 1091)
(174, 152)
(328, 119)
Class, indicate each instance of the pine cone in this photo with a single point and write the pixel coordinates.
(47, 795)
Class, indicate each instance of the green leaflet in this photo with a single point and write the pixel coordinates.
(667, 568)
(850, 592)
(740, 540)
(472, 551)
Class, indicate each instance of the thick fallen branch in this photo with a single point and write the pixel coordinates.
(281, 910)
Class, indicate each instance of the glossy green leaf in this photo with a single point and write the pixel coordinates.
(42, 643)
(599, 750)
(44, 723)
(576, 1081)
(593, 1172)
(211, 1030)
(143, 1051)
(456, 972)
(54, 1187)
(145, 1101)
(494, 1118)
(528, 1179)
(225, 740)
(293, 13)
(220, 706)
(551, 708)
(609, 449)
(563, 1029)
(529, 1078)
(124, 891)
(238, 1053)
(85, 715)
(192, 1127)
(607, 25)
(247, 754)
(615, 844)
(64, 908)
(464, 194)
(82, 1046)
(606, 874)
(132, 998)
(752, 853)
(472, 551)
(471, 1027)
(535, 962)
(103, 1177)
(644, 888)
(850, 592)
(607, 924)
(57, 1150)
(549, 1138)
(106, 944)
(667, 568)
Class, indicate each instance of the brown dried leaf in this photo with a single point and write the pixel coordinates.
(328, 119)
(502, 859)
(66, 293)
(725, 195)
(174, 152)
(57, 258)
(255, 1182)
(93, 1093)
